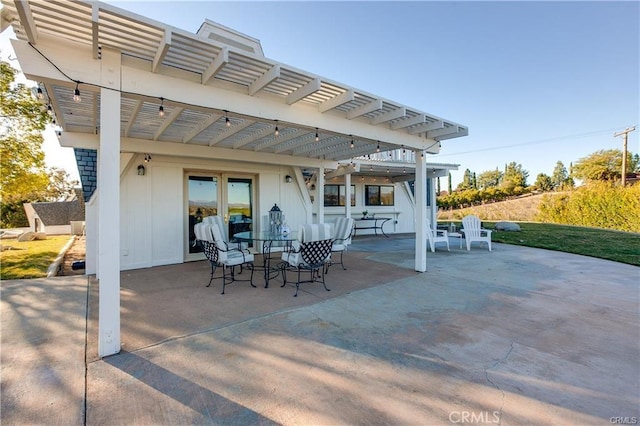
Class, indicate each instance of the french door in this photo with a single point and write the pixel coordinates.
(210, 194)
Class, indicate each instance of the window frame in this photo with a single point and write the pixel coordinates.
(380, 195)
(342, 189)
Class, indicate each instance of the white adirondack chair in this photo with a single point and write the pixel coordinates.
(437, 236)
(473, 231)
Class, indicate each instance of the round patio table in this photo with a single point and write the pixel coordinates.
(268, 240)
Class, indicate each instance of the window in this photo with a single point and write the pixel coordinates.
(334, 195)
(377, 195)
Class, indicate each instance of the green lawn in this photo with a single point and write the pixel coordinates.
(605, 244)
(29, 259)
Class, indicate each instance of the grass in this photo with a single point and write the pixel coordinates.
(618, 246)
(29, 259)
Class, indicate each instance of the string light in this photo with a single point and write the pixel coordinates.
(378, 147)
(227, 122)
(161, 109)
(317, 136)
(40, 94)
(76, 93)
(276, 133)
(352, 144)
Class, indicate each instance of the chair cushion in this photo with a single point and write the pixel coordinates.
(339, 247)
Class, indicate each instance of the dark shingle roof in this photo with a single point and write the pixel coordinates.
(59, 212)
(87, 159)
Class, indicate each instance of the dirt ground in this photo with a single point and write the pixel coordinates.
(75, 253)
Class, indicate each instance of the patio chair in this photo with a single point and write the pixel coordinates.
(204, 237)
(344, 231)
(473, 231)
(306, 233)
(312, 257)
(219, 253)
(219, 221)
(435, 236)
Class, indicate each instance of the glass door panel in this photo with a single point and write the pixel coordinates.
(239, 202)
(203, 201)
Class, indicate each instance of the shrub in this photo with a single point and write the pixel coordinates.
(599, 204)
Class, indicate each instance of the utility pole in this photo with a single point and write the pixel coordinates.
(625, 135)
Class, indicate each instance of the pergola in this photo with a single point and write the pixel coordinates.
(147, 87)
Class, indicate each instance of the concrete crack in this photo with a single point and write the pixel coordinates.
(486, 375)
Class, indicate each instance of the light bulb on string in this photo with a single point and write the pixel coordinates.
(161, 109)
(76, 93)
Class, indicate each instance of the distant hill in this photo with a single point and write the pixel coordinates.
(521, 209)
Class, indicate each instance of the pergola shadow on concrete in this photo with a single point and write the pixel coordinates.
(131, 87)
(515, 336)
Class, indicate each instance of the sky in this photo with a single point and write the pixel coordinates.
(535, 82)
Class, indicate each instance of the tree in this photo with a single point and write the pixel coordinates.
(603, 165)
(489, 179)
(544, 182)
(514, 177)
(450, 184)
(559, 176)
(467, 181)
(438, 185)
(24, 177)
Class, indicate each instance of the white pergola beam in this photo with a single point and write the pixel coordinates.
(201, 128)
(254, 137)
(266, 79)
(394, 114)
(336, 101)
(284, 147)
(304, 91)
(418, 119)
(442, 132)
(344, 169)
(161, 53)
(282, 138)
(26, 18)
(134, 116)
(230, 132)
(365, 109)
(425, 127)
(95, 30)
(175, 113)
(84, 140)
(462, 131)
(221, 60)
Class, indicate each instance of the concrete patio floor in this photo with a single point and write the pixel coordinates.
(514, 336)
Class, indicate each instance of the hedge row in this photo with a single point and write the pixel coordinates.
(600, 204)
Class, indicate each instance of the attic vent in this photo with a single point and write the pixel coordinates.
(229, 42)
(232, 38)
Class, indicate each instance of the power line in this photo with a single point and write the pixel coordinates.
(536, 142)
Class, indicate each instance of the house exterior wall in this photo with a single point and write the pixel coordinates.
(153, 206)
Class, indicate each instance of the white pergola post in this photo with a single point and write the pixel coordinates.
(347, 194)
(434, 205)
(320, 194)
(421, 213)
(109, 206)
